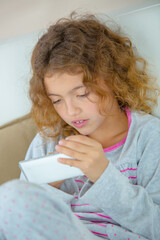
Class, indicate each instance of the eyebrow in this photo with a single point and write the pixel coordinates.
(75, 88)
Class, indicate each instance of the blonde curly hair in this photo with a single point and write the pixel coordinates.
(84, 42)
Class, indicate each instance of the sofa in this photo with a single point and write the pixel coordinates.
(15, 138)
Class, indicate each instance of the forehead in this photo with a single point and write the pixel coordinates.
(63, 82)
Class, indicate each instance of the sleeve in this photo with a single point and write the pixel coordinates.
(135, 207)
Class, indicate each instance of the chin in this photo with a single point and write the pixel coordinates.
(85, 132)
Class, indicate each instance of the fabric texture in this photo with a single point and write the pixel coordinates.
(29, 212)
(124, 203)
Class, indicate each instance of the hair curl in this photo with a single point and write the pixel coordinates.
(84, 42)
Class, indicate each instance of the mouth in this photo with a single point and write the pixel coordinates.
(80, 123)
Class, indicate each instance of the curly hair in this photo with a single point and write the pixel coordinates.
(86, 43)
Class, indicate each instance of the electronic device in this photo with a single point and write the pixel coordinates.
(47, 169)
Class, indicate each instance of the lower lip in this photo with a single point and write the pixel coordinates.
(79, 125)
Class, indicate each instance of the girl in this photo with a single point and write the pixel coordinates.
(92, 100)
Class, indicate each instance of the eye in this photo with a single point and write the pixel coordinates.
(55, 102)
(84, 95)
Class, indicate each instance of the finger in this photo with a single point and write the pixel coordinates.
(82, 139)
(71, 163)
(70, 152)
(52, 153)
(83, 148)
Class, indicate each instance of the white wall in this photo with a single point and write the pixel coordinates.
(19, 17)
(141, 23)
(15, 72)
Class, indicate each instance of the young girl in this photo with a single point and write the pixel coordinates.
(92, 100)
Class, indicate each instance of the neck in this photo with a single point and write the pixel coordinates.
(113, 130)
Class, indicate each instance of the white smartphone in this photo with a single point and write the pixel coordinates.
(47, 169)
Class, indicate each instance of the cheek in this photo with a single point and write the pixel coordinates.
(92, 104)
(59, 111)
(92, 108)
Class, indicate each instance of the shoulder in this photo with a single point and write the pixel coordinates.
(146, 132)
(145, 123)
(39, 147)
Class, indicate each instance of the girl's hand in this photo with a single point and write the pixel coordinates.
(87, 154)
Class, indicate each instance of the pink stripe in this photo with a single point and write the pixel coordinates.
(76, 197)
(72, 205)
(102, 225)
(117, 145)
(99, 233)
(79, 181)
(132, 177)
(98, 214)
(109, 149)
(102, 215)
(100, 221)
(79, 216)
(133, 169)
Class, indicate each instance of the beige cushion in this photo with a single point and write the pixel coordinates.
(15, 138)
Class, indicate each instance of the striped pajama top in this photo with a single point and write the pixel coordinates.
(124, 203)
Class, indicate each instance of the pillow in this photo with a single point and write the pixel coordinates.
(15, 138)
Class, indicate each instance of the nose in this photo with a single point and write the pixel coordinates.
(73, 108)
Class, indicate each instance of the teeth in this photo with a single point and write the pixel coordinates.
(80, 121)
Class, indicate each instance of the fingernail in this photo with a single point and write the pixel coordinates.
(60, 160)
(60, 142)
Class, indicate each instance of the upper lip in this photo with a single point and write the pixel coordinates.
(78, 120)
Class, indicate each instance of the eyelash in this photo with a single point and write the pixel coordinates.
(81, 96)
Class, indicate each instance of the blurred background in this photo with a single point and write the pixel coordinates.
(23, 22)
